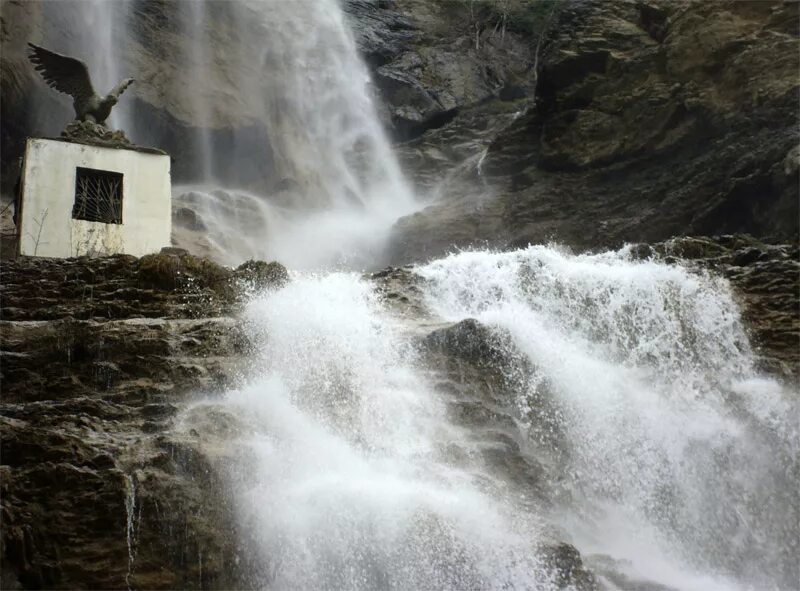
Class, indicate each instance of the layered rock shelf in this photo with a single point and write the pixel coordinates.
(99, 356)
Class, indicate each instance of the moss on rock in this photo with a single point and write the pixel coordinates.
(171, 271)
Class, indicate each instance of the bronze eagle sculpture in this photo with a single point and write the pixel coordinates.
(71, 76)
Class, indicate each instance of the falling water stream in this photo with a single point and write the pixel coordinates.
(338, 185)
(677, 459)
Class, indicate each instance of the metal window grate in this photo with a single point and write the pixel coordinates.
(98, 196)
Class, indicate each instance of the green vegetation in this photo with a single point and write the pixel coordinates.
(526, 17)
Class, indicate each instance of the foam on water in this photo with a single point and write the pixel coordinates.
(672, 461)
(346, 483)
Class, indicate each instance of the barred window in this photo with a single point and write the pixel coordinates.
(98, 196)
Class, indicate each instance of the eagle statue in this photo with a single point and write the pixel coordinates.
(71, 76)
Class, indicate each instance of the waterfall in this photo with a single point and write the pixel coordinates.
(338, 186)
(344, 480)
(632, 420)
(667, 459)
(195, 26)
(329, 139)
(680, 460)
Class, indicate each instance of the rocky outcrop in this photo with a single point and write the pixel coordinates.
(474, 343)
(652, 119)
(116, 287)
(430, 59)
(101, 488)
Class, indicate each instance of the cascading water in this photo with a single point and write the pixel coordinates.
(345, 481)
(679, 460)
(668, 460)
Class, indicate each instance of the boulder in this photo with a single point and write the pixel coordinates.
(259, 275)
(471, 341)
(564, 563)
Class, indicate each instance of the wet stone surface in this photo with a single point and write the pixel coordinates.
(99, 356)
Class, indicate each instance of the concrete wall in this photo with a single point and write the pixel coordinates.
(48, 194)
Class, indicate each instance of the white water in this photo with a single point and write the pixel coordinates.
(669, 460)
(679, 459)
(345, 481)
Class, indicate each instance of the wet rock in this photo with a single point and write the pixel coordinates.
(98, 488)
(381, 32)
(469, 340)
(260, 275)
(480, 373)
(638, 134)
(119, 286)
(169, 271)
(189, 219)
(564, 563)
(400, 288)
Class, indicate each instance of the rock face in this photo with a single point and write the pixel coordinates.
(103, 487)
(650, 119)
(432, 58)
(632, 121)
(99, 358)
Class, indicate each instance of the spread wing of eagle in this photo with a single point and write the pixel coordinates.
(71, 76)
